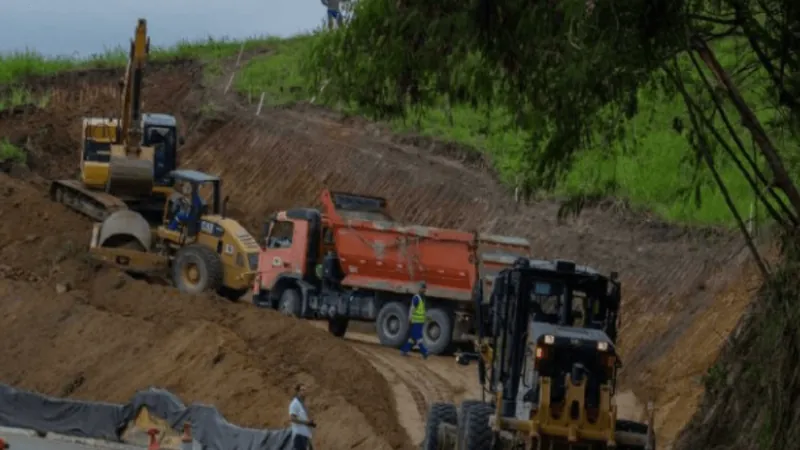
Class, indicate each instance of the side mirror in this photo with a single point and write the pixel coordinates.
(181, 140)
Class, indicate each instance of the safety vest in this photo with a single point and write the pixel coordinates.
(418, 313)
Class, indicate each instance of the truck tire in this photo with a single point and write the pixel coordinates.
(197, 269)
(477, 432)
(438, 414)
(392, 324)
(438, 330)
(463, 412)
(338, 326)
(290, 302)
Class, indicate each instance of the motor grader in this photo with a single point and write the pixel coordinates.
(548, 366)
(200, 248)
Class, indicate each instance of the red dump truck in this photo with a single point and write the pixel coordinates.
(350, 261)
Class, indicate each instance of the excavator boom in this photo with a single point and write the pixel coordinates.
(131, 164)
(131, 98)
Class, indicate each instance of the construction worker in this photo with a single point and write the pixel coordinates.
(301, 424)
(417, 318)
(182, 208)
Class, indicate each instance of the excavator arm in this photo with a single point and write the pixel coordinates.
(131, 164)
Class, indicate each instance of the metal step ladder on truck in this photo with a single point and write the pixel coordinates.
(352, 261)
(547, 365)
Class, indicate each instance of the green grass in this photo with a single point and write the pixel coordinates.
(10, 152)
(648, 167)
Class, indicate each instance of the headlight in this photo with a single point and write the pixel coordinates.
(602, 346)
(549, 339)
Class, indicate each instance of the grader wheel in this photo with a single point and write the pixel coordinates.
(439, 415)
(197, 269)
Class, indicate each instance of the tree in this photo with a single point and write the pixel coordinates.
(570, 70)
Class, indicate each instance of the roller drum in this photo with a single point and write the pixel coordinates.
(130, 177)
(126, 229)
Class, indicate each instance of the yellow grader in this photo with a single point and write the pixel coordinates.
(548, 366)
(201, 248)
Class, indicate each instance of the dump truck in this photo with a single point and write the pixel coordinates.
(547, 367)
(125, 162)
(350, 260)
(196, 245)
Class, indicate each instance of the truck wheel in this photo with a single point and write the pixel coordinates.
(477, 432)
(438, 414)
(338, 326)
(392, 324)
(290, 302)
(463, 412)
(438, 330)
(197, 269)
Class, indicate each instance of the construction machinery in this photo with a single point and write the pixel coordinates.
(201, 248)
(548, 366)
(124, 161)
(352, 261)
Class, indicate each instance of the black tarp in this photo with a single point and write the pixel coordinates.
(107, 421)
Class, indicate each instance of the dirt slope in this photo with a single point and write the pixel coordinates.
(674, 278)
(110, 336)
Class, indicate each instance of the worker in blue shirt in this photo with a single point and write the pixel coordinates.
(417, 318)
(184, 208)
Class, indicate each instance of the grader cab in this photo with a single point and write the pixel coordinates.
(548, 367)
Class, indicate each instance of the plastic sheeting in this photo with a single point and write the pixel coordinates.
(107, 421)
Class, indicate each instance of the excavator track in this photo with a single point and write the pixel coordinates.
(96, 205)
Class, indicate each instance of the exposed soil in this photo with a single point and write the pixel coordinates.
(117, 335)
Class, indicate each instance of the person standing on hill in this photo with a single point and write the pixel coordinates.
(417, 318)
(334, 13)
(301, 424)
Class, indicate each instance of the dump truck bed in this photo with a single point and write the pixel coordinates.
(381, 254)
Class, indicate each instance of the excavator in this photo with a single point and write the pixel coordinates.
(547, 364)
(125, 162)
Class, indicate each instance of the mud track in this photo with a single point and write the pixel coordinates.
(682, 286)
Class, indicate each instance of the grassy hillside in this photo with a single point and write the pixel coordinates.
(649, 167)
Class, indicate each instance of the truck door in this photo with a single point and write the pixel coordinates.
(285, 252)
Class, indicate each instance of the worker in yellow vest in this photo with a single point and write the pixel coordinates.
(417, 318)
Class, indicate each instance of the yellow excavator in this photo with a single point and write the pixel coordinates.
(125, 161)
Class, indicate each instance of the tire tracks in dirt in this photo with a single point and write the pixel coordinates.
(416, 382)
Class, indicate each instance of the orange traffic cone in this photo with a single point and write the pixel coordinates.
(153, 445)
(3, 444)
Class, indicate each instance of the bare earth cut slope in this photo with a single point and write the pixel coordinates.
(110, 335)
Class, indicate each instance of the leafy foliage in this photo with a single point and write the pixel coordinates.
(565, 69)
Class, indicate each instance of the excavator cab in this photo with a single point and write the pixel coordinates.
(159, 131)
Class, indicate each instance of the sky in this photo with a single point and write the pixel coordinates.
(84, 27)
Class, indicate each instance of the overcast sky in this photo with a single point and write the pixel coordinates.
(66, 27)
